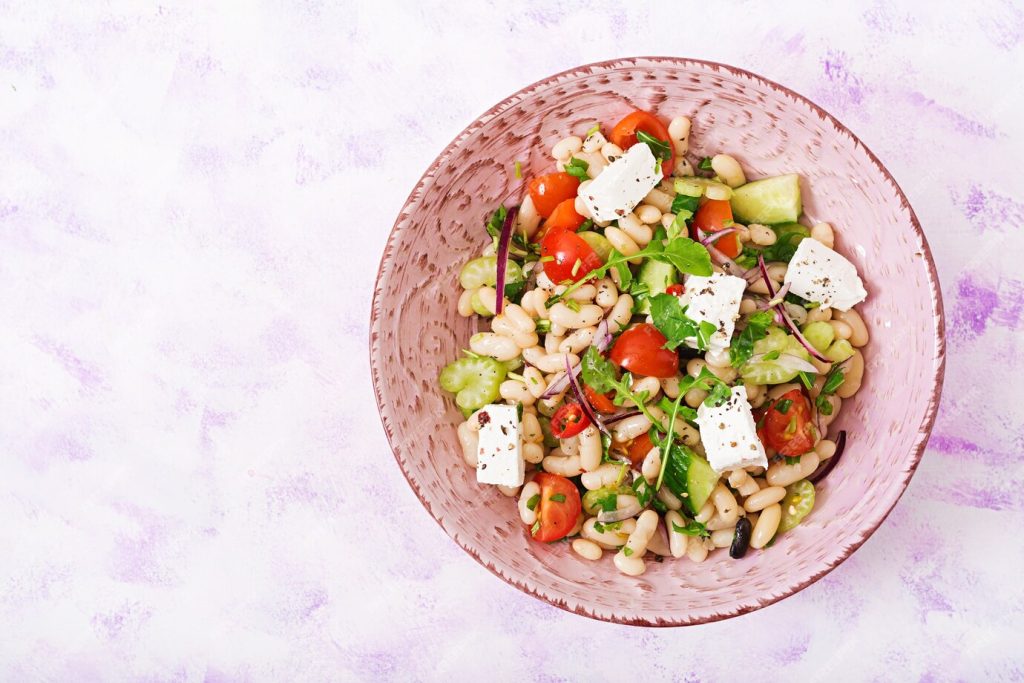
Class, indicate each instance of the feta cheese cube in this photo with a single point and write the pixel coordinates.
(729, 434)
(716, 300)
(622, 184)
(819, 274)
(500, 454)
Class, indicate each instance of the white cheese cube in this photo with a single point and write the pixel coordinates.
(622, 184)
(819, 274)
(729, 434)
(716, 300)
(500, 454)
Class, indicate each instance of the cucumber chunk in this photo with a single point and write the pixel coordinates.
(690, 478)
(484, 271)
(474, 381)
(599, 243)
(797, 504)
(657, 276)
(768, 201)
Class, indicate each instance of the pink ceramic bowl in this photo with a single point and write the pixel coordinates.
(771, 130)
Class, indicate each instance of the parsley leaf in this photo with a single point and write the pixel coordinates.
(577, 168)
(705, 164)
(792, 460)
(784, 405)
(496, 220)
(743, 346)
(627, 551)
(557, 498)
(532, 503)
(661, 149)
(692, 528)
(643, 491)
(833, 380)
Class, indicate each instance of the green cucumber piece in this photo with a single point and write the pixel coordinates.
(474, 381)
(599, 243)
(768, 201)
(689, 477)
(797, 504)
(604, 498)
(840, 350)
(484, 271)
(658, 277)
(769, 371)
(820, 334)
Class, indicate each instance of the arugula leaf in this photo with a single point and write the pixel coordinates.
(692, 528)
(496, 220)
(661, 149)
(705, 164)
(597, 371)
(671, 320)
(743, 346)
(643, 491)
(718, 391)
(687, 256)
(719, 394)
(704, 332)
(577, 168)
(684, 202)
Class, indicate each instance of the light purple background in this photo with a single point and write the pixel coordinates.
(193, 202)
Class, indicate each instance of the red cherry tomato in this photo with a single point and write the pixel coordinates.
(559, 507)
(639, 449)
(790, 433)
(712, 216)
(548, 191)
(624, 134)
(675, 290)
(564, 249)
(569, 420)
(602, 403)
(641, 350)
(564, 217)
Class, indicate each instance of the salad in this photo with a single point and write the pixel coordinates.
(668, 347)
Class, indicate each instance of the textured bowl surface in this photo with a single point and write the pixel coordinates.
(771, 130)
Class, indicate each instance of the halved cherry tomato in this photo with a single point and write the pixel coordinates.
(569, 420)
(564, 217)
(624, 134)
(639, 449)
(565, 249)
(712, 216)
(675, 290)
(559, 507)
(790, 433)
(602, 403)
(641, 350)
(548, 191)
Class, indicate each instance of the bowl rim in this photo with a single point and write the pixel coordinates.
(938, 315)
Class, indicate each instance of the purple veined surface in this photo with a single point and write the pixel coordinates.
(416, 330)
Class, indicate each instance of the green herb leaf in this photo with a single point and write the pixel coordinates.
(692, 528)
(833, 380)
(807, 379)
(684, 202)
(661, 149)
(496, 220)
(543, 326)
(532, 503)
(627, 551)
(595, 129)
(824, 405)
(784, 405)
(792, 460)
(535, 528)
(704, 332)
(686, 255)
(743, 346)
(557, 498)
(519, 170)
(643, 491)
(577, 168)
(597, 371)
(587, 225)
(720, 393)
(671, 320)
(705, 164)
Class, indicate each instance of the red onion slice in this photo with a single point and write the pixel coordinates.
(603, 336)
(822, 472)
(788, 362)
(780, 312)
(504, 240)
(560, 383)
(584, 403)
(715, 236)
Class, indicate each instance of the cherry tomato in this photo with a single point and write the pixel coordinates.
(548, 191)
(639, 449)
(602, 403)
(565, 249)
(790, 433)
(564, 217)
(641, 350)
(712, 216)
(569, 420)
(675, 290)
(624, 134)
(559, 507)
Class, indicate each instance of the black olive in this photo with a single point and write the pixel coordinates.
(741, 539)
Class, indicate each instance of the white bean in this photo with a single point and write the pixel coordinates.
(853, 375)
(763, 498)
(516, 392)
(722, 538)
(659, 199)
(670, 386)
(469, 440)
(683, 169)
(528, 516)
(605, 475)
(621, 241)
(528, 219)
(823, 233)
(781, 474)
(607, 293)
(648, 214)
(588, 315)
(696, 551)
(594, 142)
(767, 525)
(677, 540)
(621, 313)
(578, 340)
(566, 147)
(611, 538)
(587, 549)
(564, 465)
(570, 445)
(631, 427)
(584, 294)
(493, 345)
(761, 235)
(679, 132)
(669, 499)
(590, 449)
(858, 330)
(466, 303)
(533, 453)
(725, 504)
(705, 514)
(728, 169)
(610, 151)
(825, 449)
(535, 381)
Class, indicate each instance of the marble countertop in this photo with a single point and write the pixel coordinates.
(193, 203)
